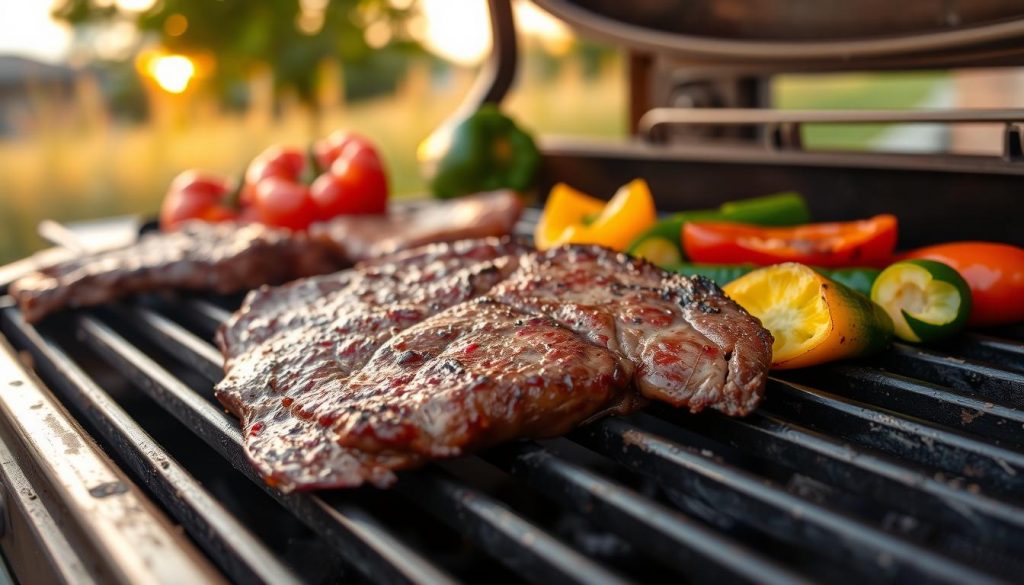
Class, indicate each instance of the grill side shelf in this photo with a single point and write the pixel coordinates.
(121, 536)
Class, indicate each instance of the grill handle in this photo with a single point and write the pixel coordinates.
(782, 127)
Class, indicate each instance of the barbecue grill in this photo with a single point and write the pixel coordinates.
(118, 465)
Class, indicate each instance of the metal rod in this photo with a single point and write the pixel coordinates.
(523, 547)
(242, 556)
(931, 402)
(963, 511)
(753, 501)
(127, 540)
(996, 469)
(680, 542)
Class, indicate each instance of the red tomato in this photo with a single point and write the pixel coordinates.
(277, 161)
(195, 195)
(868, 242)
(283, 162)
(284, 203)
(995, 273)
(330, 149)
(356, 184)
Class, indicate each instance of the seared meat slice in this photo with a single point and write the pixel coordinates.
(472, 376)
(444, 350)
(691, 345)
(221, 257)
(290, 350)
(365, 237)
(229, 257)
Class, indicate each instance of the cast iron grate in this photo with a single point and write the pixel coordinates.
(906, 467)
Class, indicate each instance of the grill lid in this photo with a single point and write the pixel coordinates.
(797, 31)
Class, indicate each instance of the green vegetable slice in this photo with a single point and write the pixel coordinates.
(926, 300)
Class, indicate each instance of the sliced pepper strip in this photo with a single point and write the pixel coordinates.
(571, 217)
(868, 242)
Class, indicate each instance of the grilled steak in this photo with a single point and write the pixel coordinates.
(293, 347)
(443, 350)
(229, 257)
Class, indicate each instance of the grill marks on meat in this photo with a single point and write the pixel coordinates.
(447, 349)
(475, 375)
(228, 257)
(692, 346)
(290, 351)
(222, 258)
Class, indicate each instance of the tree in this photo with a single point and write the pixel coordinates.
(292, 37)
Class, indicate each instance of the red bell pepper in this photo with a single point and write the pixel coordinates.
(868, 242)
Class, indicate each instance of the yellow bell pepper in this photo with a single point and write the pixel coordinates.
(572, 217)
(813, 318)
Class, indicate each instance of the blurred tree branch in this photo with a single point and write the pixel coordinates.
(292, 37)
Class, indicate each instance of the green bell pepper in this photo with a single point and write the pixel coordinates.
(858, 279)
(487, 151)
(661, 243)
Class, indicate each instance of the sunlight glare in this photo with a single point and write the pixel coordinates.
(26, 28)
(457, 30)
(172, 72)
(135, 5)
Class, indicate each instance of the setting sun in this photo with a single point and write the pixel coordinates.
(172, 73)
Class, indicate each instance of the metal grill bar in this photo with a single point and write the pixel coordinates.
(49, 542)
(363, 541)
(118, 536)
(997, 469)
(234, 548)
(960, 509)
(752, 501)
(523, 547)
(921, 399)
(988, 349)
(988, 382)
(674, 539)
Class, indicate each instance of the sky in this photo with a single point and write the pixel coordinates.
(26, 29)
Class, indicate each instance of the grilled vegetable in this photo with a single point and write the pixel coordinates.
(858, 279)
(662, 243)
(571, 217)
(487, 151)
(868, 242)
(995, 273)
(926, 300)
(813, 318)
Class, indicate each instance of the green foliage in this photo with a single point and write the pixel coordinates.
(242, 35)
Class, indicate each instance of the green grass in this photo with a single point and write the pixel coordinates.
(848, 91)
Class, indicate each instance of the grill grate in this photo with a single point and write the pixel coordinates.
(907, 467)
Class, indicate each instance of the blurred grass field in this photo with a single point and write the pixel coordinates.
(73, 163)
